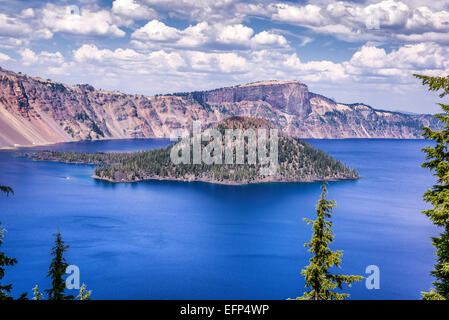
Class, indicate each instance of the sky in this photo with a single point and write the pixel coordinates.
(351, 51)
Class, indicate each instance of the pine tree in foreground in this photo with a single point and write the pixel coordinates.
(57, 270)
(318, 277)
(84, 294)
(438, 161)
(4, 260)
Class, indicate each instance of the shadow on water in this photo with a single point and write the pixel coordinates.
(105, 184)
(240, 191)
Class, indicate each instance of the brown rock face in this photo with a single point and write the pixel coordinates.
(35, 111)
(290, 97)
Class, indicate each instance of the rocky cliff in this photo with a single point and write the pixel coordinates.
(34, 111)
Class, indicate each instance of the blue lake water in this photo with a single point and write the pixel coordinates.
(175, 240)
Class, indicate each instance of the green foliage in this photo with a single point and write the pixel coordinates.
(84, 294)
(432, 295)
(37, 295)
(6, 190)
(84, 117)
(5, 262)
(435, 83)
(56, 273)
(55, 86)
(57, 270)
(437, 160)
(317, 274)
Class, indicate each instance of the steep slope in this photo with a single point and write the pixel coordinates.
(35, 111)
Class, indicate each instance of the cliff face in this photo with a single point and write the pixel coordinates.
(34, 111)
(290, 97)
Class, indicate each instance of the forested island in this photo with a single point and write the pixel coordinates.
(298, 161)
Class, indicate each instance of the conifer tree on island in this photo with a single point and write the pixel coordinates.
(438, 161)
(57, 270)
(318, 277)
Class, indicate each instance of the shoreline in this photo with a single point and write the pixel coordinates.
(228, 183)
(203, 180)
(18, 147)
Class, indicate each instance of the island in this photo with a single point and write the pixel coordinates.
(298, 161)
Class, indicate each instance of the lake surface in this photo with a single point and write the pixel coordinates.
(176, 240)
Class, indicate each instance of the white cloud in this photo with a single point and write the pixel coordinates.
(310, 15)
(195, 36)
(268, 38)
(237, 33)
(10, 26)
(206, 36)
(369, 64)
(163, 59)
(19, 29)
(4, 57)
(90, 52)
(128, 59)
(267, 64)
(231, 11)
(231, 62)
(425, 37)
(156, 31)
(217, 62)
(133, 9)
(405, 60)
(160, 60)
(27, 13)
(51, 57)
(369, 57)
(29, 57)
(380, 20)
(11, 43)
(86, 23)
